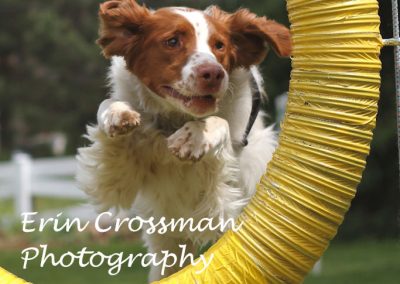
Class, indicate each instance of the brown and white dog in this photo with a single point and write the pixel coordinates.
(181, 97)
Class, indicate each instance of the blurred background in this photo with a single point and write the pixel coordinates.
(52, 79)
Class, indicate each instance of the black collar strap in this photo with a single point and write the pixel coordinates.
(255, 109)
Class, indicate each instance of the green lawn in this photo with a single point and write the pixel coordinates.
(363, 262)
(360, 263)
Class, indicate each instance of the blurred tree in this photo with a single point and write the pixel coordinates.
(51, 71)
(52, 78)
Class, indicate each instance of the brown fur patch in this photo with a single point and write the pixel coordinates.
(248, 34)
(219, 33)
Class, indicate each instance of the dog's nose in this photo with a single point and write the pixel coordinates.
(209, 77)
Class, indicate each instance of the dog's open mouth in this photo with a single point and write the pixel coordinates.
(199, 104)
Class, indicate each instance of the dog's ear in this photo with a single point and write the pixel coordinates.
(120, 26)
(251, 36)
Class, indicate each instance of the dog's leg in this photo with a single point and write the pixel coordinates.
(207, 142)
(117, 118)
(181, 249)
(107, 169)
(200, 138)
(255, 157)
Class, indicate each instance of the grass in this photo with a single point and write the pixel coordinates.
(344, 263)
(6, 206)
(360, 263)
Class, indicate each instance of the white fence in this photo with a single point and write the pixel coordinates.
(24, 178)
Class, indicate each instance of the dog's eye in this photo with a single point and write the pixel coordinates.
(219, 45)
(172, 42)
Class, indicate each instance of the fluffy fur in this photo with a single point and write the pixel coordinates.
(164, 157)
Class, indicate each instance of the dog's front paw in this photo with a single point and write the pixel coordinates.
(188, 143)
(197, 138)
(120, 120)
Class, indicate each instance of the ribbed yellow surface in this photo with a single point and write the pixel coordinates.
(8, 278)
(325, 139)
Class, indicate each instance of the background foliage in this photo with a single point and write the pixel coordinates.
(52, 78)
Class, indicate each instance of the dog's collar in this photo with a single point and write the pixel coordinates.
(255, 109)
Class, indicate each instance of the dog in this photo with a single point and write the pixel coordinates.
(168, 142)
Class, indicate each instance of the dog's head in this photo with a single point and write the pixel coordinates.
(185, 56)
